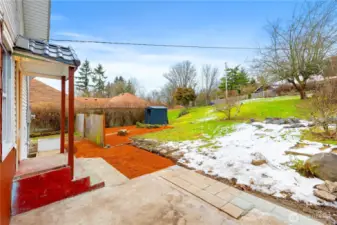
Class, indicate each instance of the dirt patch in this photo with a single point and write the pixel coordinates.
(129, 160)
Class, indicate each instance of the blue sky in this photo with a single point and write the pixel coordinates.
(219, 23)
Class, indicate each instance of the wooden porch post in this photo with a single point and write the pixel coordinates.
(63, 112)
(71, 121)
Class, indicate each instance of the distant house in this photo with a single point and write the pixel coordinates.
(263, 88)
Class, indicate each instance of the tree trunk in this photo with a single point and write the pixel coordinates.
(300, 88)
(303, 94)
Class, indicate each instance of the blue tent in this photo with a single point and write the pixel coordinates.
(156, 115)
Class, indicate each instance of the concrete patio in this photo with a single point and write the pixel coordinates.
(171, 196)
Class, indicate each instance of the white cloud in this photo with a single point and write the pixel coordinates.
(147, 64)
(57, 17)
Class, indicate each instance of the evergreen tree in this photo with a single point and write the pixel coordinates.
(83, 80)
(130, 87)
(236, 78)
(99, 81)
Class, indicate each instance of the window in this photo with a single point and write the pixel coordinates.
(7, 104)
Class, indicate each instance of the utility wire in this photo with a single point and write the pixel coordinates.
(158, 45)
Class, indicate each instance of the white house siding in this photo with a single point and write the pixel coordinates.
(13, 21)
(24, 145)
(12, 15)
(37, 18)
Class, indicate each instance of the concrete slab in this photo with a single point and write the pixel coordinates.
(48, 144)
(145, 200)
(98, 167)
(256, 217)
(232, 210)
(242, 204)
(239, 202)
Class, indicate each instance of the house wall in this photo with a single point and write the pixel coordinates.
(12, 12)
(7, 171)
(11, 20)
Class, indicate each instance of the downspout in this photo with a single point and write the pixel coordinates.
(29, 115)
(1, 64)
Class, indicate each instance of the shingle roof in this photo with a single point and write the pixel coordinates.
(42, 48)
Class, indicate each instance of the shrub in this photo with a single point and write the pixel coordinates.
(301, 168)
(230, 107)
(148, 126)
(185, 95)
(183, 112)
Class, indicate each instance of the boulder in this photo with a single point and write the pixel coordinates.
(259, 162)
(323, 166)
(332, 186)
(294, 120)
(122, 132)
(325, 195)
(258, 159)
(295, 125)
(321, 187)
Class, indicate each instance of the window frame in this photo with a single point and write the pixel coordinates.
(7, 104)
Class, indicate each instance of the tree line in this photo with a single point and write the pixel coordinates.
(93, 83)
(184, 85)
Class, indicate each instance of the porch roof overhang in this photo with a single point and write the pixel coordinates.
(42, 59)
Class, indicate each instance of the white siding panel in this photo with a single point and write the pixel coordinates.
(24, 123)
(13, 17)
(36, 14)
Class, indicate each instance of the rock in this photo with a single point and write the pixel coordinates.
(321, 187)
(310, 125)
(252, 120)
(323, 166)
(332, 186)
(258, 162)
(325, 195)
(163, 152)
(122, 132)
(334, 150)
(280, 121)
(296, 125)
(268, 120)
(294, 120)
(233, 181)
(258, 159)
(258, 126)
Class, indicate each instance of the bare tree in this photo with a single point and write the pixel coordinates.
(210, 75)
(154, 97)
(167, 94)
(230, 107)
(182, 75)
(300, 49)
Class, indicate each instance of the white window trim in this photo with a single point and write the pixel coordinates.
(8, 120)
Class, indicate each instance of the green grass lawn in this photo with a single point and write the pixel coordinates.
(313, 135)
(205, 123)
(282, 107)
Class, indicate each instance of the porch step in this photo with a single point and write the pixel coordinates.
(39, 189)
(32, 166)
(99, 170)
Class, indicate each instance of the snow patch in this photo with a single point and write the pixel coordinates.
(234, 152)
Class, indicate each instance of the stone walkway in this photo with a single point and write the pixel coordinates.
(174, 196)
(230, 200)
